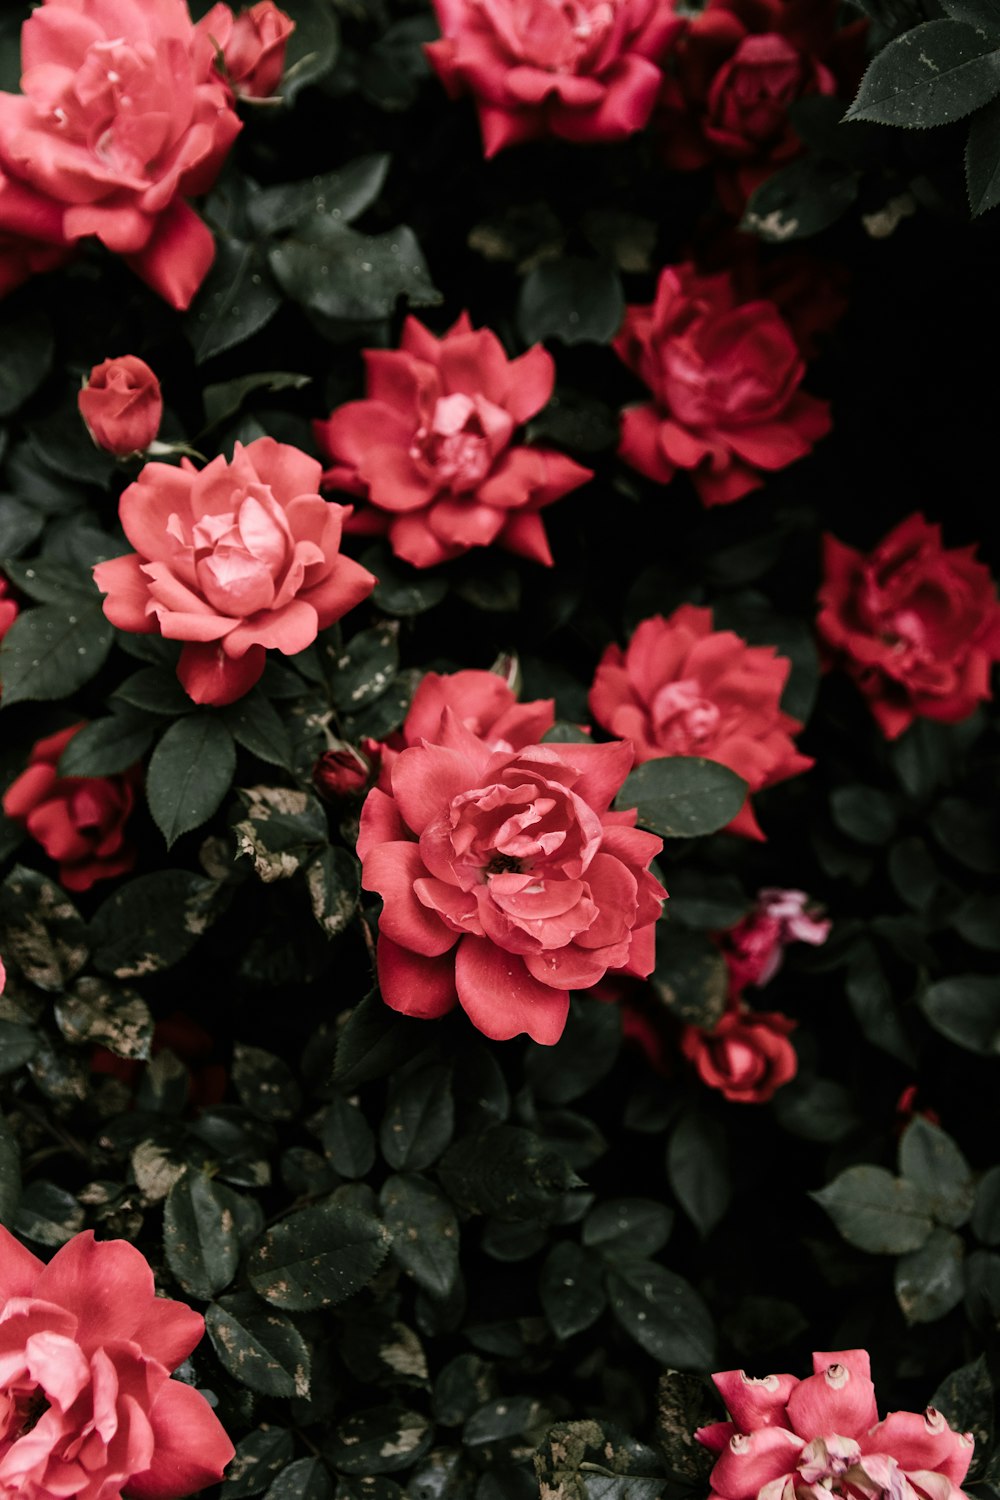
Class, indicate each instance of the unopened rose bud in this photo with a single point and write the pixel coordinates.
(252, 45)
(121, 405)
(343, 772)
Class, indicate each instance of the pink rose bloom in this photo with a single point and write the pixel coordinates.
(122, 117)
(31, 235)
(746, 1056)
(506, 880)
(431, 447)
(252, 45)
(87, 1406)
(755, 948)
(121, 405)
(234, 559)
(724, 377)
(9, 608)
(682, 688)
(821, 1437)
(587, 70)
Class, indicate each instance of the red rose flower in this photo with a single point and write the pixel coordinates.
(87, 1406)
(239, 557)
(916, 624)
(754, 949)
(31, 235)
(586, 70)
(121, 405)
(78, 820)
(9, 608)
(738, 67)
(344, 772)
(506, 880)
(822, 1435)
(252, 45)
(725, 379)
(746, 1056)
(431, 451)
(682, 688)
(122, 117)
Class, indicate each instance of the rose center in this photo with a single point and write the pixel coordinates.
(906, 632)
(683, 718)
(504, 864)
(455, 445)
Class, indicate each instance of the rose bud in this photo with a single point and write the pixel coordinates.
(121, 405)
(252, 45)
(341, 772)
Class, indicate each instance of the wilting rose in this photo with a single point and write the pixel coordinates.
(235, 559)
(746, 1056)
(915, 623)
(755, 948)
(431, 447)
(122, 117)
(506, 880)
(87, 1405)
(725, 380)
(588, 70)
(682, 688)
(121, 405)
(79, 821)
(738, 67)
(822, 1437)
(252, 44)
(343, 772)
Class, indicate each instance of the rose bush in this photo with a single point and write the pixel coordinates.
(915, 623)
(122, 405)
(122, 118)
(235, 559)
(682, 688)
(430, 447)
(506, 880)
(587, 71)
(725, 379)
(788, 1434)
(87, 1405)
(80, 821)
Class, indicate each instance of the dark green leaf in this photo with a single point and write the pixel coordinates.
(47, 1215)
(586, 1052)
(107, 746)
(623, 1227)
(156, 691)
(365, 668)
(259, 1457)
(151, 923)
(380, 1441)
(864, 813)
(256, 725)
(683, 1405)
(966, 1010)
(874, 1005)
(347, 1138)
(419, 1119)
(964, 832)
(341, 274)
(507, 1172)
(225, 400)
(312, 48)
(26, 357)
(344, 195)
(683, 796)
(10, 1170)
(571, 1289)
(877, 1212)
(965, 1400)
(664, 1314)
(928, 1281)
(373, 1041)
(50, 582)
(190, 772)
(102, 1015)
(199, 1234)
(18, 1044)
(592, 1460)
(333, 880)
(690, 978)
(282, 830)
(698, 1169)
(52, 651)
(259, 1347)
(984, 13)
(306, 1479)
(507, 1417)
(237, 299)
(801, 199)
(982, 159)
(265, 1083)
(938, 72)
(706, 901)
(573, 300)
(40, 930)
(930, 1158)
(986, 1213)
(402, 590)
(977, 920)
(317, 1257)
(425, 1236)
(816, 1109)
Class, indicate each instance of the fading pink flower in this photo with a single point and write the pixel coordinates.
(755, 948)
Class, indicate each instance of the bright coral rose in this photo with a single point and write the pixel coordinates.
(746, 1056)
(738, 67)
(506, 880)
(755, 948)
(122, 117)
(431, 450)
(121, 405)
(234, 559)
(587, 70)
(822, 1437)
(31, 235)
(252, 44)
(725, 379)
(78, 820)
(915, 623)
(682, 688)
(87, 1406)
